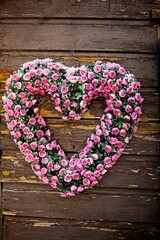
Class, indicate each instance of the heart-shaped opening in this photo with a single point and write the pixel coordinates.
(72, 90)
(71, 135)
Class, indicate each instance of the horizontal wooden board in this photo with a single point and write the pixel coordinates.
(78, 9)
(68, 136)
(109, 205)
(129, 172)
(144, 67)
(18, 228)
(88, 35)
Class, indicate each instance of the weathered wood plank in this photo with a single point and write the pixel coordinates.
(17, 228)
(109, 205)
(129, 172)
(90, 35)
(145, 67)
(78, 9)
(68, 134)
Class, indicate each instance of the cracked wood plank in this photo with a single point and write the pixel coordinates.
(40, 228)
(89, 35)
(78, 9)
(129, 172)
(109, 205)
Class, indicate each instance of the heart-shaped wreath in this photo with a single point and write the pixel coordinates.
(72, 91)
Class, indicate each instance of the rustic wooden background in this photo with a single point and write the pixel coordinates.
(125, 205)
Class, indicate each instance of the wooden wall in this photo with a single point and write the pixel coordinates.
(125, 204)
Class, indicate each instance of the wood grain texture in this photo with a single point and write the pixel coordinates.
(17, 228)
(68, 136)
(131, 205)
(134, 172)
(91, 35)
(144, 67)
(78, 9)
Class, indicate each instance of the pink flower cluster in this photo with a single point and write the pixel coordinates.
(72, 90)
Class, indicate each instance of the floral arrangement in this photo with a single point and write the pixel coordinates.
(72, 90)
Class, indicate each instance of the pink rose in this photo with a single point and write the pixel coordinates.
(43, 170)
(25, 145)
(80, 189)
(64, 89)
(41, 121)
(97, 173)
(94, 82)
(122, 93)
(55, 76)
(97, 68)
(121, 71)
(75, 176)
(117, 112)
(39, 133)
(115, 131)
(67, 178)
(30, 135)
(72, 113)
(39, 72)
(118, 103)
(50, 165)
(42, 153)
(84, 161)
(97, 139)
(73, 79)
(53, 88)
(90, 75)
(18, 85)
(86, 181)
(33, 145)
(89, 144)
(28, 85)
(128, 108)
(15, 77)
(22, 94)
(12, 96)
(112, 74)
(99, 167)
(138, 110)
(84, 78)
(9, 103)
(73, 188)
(107, 160)
(46, 71)
(64, 162)
(95, 156)
(88, 174)
(94, 183)
(54, 179)
(106, 133)
(32, 121)
(44, 160)
(108, 148)
(67, 103)
(57, 167)
(49, 146)
(122, 132)
(30, 158)
(26, 77)
(57, 101)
